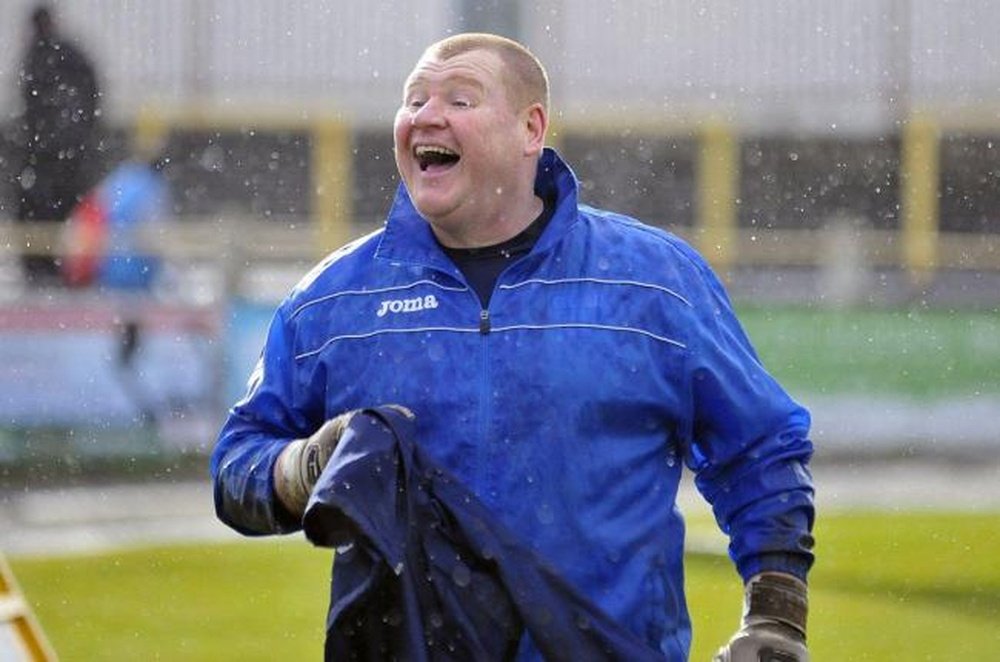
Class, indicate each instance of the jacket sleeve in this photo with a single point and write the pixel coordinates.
(257, 428)
(747, 442)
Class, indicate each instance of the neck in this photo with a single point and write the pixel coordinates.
(479, 233)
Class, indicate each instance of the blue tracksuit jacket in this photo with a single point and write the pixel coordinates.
(609, 358)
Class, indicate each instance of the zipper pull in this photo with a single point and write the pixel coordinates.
(484, 322)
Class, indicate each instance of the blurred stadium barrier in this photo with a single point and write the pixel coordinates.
(293, 186)
(259, 199)
(752, 133)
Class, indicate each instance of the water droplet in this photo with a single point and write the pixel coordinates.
(544, 514)
(461, 575)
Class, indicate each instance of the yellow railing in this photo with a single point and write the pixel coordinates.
(718, 187)
(331, 186)
(919, 174)
(918, 247)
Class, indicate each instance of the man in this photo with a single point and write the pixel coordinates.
(104, 233)
(105, 246)
(60, 93)
(559, 360)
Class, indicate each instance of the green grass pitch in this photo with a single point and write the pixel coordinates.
(923, 354)
(887, 586)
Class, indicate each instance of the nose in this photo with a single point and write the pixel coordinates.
(429, 114)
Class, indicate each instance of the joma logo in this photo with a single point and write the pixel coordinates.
(407, 305)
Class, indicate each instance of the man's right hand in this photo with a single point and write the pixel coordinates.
(301, 462)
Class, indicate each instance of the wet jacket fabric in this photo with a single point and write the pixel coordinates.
(608, 358)
(425, 572)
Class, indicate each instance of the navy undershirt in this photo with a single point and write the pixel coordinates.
(482, 266)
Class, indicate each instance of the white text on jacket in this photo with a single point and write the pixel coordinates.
(413, 305)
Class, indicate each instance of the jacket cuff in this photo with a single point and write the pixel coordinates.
(793, 564)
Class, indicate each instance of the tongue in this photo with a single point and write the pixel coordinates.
(438, 165)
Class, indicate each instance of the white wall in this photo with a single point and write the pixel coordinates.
(249, 54)
(800, 64)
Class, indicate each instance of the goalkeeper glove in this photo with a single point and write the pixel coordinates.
(774, 622)
(301, 462)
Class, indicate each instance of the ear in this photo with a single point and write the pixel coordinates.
(536, 122)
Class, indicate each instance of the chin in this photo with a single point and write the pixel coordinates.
(436, 218)
(431, 209)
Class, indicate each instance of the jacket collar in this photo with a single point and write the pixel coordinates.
(408, 238)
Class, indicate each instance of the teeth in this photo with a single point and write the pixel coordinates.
(424, 150)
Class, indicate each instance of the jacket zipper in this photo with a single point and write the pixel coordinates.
(483, 446)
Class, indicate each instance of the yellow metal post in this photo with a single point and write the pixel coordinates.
(21, 638)
(332, 183)
(717, 182)
(149, 133)
(919, 196)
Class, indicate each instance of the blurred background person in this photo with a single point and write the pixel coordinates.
(108, 236)
(59, 125)
(107, 244)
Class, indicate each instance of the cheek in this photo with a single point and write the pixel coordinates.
(401, 130)
(399, 148)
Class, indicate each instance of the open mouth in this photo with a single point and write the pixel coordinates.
(434, 156)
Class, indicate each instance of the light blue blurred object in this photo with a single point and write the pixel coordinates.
(133, 195)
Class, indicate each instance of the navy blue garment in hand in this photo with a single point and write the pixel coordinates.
(424, 572)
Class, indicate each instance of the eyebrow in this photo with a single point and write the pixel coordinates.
(451, 80)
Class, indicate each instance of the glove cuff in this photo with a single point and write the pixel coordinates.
(775, 597)
(291, 490)
(300, 464)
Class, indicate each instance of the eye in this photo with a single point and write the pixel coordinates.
(414, 99)
(461, 103)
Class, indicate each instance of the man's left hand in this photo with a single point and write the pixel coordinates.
(774, 622)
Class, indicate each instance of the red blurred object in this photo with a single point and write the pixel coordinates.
(84, 241)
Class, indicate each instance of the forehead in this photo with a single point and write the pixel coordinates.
(478, 66)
